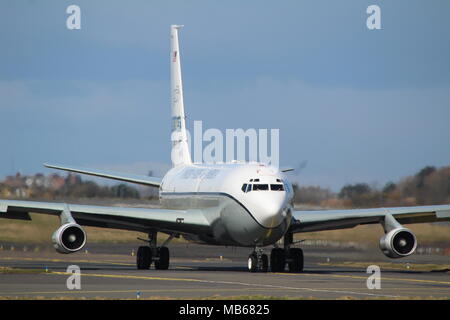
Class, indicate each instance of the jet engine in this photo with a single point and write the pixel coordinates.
(69, 238)
(398, 243)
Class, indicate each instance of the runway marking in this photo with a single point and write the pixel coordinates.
(365, 278)
(422, 267)
(94, 261)
(123, 276)
(3, 294)
(227, 283)
(143, 290)
(184, 268)
(190, 268)
(68, 260)
(252, 286)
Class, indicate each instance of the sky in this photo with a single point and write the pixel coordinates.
(352, 104)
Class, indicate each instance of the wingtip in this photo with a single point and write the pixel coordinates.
(48, 165)
(52, 166)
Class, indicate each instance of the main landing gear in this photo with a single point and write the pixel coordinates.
(279, 257)
(146, 255)
(293, 257)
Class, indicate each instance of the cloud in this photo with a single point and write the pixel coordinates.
(321, 43)
(352, 102)
(347, 135)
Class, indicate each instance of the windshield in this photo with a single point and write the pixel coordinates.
(247, 187)
(276, 187)
(260, 187)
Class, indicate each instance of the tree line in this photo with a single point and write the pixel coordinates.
(55, 186)
(429, 186)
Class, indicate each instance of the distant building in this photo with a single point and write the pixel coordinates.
(56, 181)
(16, 181)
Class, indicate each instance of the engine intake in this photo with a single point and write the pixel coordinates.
(69, 238)
(398, 243)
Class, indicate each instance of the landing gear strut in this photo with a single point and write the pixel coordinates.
(146, 255)
(293, 257)
(258, 261)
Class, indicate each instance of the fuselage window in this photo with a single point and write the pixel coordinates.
(244, 187)
(276, 187)
(260, 187)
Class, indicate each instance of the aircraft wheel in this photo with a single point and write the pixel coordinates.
(277, 260)
(265, 263)
(295, 260)
(164, 258)
(252, 262)
(144, 258)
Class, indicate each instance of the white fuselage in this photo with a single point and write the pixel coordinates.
(237, 215)
(247, 204)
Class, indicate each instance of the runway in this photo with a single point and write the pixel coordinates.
(108, 271)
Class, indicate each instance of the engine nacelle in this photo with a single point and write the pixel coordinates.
(69, 238)
(398, 243)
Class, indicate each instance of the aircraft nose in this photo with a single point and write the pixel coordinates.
(272, 211)
(273, 208)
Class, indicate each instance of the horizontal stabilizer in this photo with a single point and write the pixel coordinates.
(126, 177)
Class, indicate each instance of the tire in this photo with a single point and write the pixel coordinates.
(265, 263)
(164, 259)
(277, 260)
(252, 263)
(295, 260)
(144, 258)
(274, 265)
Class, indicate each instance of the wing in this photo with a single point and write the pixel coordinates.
(305, 221)
(135, 219)
(127, 177)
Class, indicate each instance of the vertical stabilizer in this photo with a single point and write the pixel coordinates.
(180, 148)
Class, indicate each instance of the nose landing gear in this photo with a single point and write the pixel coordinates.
(279, 258)
(258, 261)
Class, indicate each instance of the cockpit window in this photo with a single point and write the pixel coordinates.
(260, 187)
(276, 187)
(247, 187)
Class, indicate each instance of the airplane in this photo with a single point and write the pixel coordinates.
(245, 204)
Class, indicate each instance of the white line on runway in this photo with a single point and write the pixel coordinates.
(233, 283)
